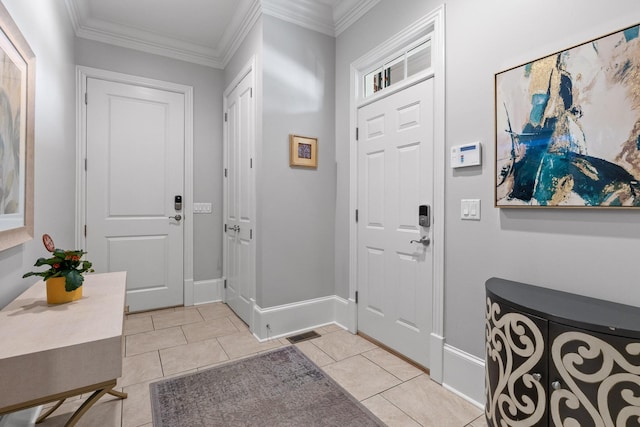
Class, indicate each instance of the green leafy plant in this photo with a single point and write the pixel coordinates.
(63, 263)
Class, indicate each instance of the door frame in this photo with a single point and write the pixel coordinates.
(249, 67)
(433, 25)
(82, 74)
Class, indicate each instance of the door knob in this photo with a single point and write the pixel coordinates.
(178, 217)
(537, 376)
(424, 240)
(556, 385)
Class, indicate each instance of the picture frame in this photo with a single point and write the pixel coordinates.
(17, 124)
(567, 127)
(303, 151)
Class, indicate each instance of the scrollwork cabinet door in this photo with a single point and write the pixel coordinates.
(595, 379)
(516, 367)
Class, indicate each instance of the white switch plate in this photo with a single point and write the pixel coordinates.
(201, 208)
(470, 209)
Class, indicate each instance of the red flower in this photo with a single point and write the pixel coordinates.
(56, 265)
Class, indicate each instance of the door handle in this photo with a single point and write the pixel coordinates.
(235, 228)
(178, 217)
(424, 240)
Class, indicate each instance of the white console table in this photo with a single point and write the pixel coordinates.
(51, 352)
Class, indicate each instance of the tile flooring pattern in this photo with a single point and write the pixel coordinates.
(175, 341)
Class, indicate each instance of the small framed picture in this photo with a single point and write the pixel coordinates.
(303, 151)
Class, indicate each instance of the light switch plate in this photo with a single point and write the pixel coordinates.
(470, 209)
(202, 208)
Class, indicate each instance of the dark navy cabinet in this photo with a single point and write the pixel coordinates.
(559, 359)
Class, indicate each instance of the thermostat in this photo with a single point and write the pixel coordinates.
(466, 155)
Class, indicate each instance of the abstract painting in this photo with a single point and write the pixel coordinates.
(568, 127)
(17, 78)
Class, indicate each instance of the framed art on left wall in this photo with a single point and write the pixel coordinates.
(17, 103)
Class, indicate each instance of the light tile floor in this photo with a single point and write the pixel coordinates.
(175, 341)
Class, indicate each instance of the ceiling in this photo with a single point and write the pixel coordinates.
(205, 32)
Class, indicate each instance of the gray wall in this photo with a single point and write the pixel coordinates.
(295, 205)
(588, 252)
(208, 87)
(49, 33)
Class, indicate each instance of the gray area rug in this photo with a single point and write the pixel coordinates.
(279, 388)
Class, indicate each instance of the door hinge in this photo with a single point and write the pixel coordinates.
(225, 172)
(85, 163)
(356, 297)
(225, 283)
(225, 228)
(86, 98)
(251, 92)
(85, 230)
(251, 234)
(357, 134)
(251, 163)
(356, 215)
(225, 117)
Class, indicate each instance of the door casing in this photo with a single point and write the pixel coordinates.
(432, 25)
(82, 74)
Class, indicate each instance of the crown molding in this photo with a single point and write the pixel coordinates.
(306, 13)
(240, 27)
(312, 14)
(348, 12)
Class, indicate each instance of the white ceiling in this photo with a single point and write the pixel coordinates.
(205, 32)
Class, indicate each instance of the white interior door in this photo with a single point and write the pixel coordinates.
(239, 199)
(395, 177)
(135, 168)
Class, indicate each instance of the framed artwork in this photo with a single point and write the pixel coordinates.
(303, 151)
(568, 127)
(17, 102)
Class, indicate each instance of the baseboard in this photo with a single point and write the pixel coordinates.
(290, 319)
(206, 291)
(346, 312)
(464, 375)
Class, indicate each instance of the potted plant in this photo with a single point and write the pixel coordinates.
(64, 277)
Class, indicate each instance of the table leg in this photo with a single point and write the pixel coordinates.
(86, 405)
(49, 411)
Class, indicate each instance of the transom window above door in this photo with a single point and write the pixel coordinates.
(415, 59)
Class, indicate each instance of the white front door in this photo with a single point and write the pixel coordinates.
(135, 168)
(239, 199)
(395, 177)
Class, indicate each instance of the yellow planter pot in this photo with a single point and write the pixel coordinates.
(56, 293)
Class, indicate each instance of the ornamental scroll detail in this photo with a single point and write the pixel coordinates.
(514, 346)
(601, 383)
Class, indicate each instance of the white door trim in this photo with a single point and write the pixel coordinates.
(432, 23)
(82, 73)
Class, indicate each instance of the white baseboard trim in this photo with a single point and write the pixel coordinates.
(290, 319)
(206, 291)
(346, 312)
(464, 375)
